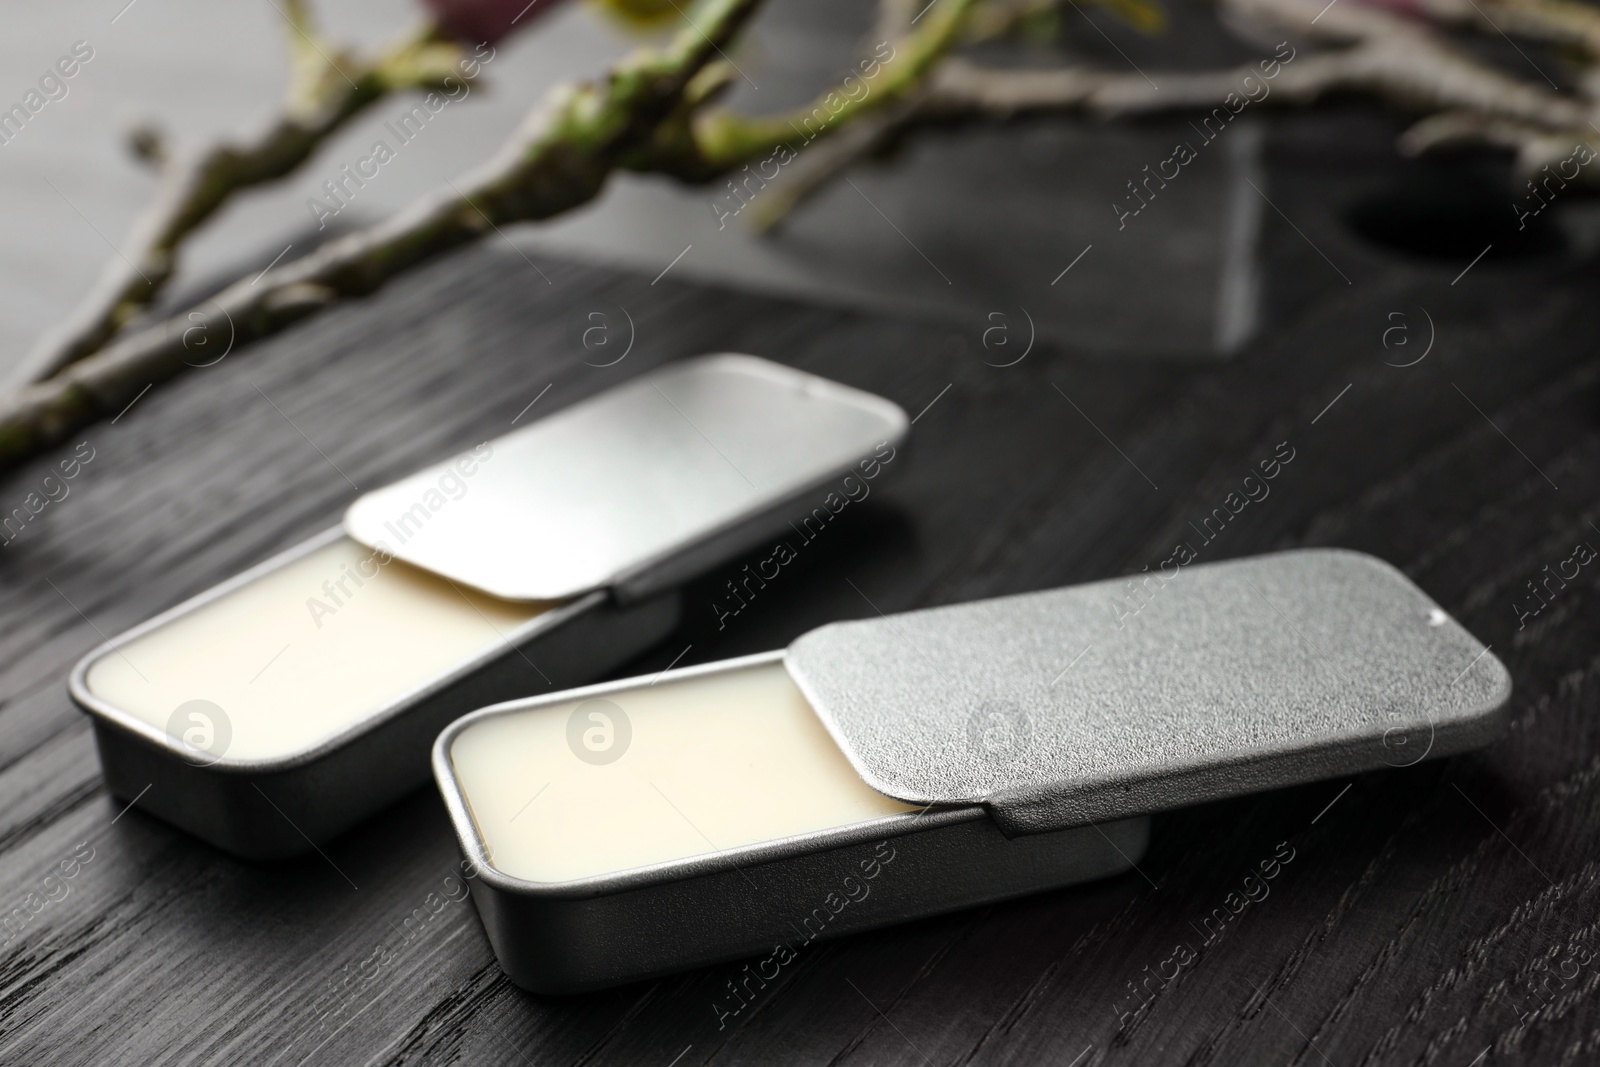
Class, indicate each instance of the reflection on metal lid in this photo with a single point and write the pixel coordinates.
(627, 479)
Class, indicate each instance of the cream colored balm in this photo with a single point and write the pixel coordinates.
(656, 773)
(283, 707)
(305, 651)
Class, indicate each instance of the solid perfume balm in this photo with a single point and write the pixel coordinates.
(282, 707)
(709, 763)
(901, 766)
(303, 652)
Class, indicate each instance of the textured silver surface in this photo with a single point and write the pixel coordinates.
(1077, 705)
(631, 478)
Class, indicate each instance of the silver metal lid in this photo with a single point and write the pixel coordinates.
(1135, 695)
(636, 488)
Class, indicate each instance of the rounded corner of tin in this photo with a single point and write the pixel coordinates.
(894, 416)
(812, 637)
(78, 681)
(1504, 685)
(1493, 713)
(899, 420)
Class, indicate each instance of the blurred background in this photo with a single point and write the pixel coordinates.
(957, 224)
(960, 224)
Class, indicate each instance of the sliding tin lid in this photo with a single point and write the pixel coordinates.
(1125, 697)
(628, 481)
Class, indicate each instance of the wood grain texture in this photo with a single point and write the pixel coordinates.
(1421, 907)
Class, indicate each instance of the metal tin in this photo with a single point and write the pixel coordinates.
(1134, 696)
(278, 808)
(590, 933)
(1038, 730)
(800, 433)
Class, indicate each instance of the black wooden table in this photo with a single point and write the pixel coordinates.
(1440, 914)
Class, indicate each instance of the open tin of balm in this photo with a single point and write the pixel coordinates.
(282, 707)
(903, 766)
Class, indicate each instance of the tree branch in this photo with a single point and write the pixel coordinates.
(724, 139)
(560, 157)
(1415, 75)
(1385, 56)
(650, 114)
(327, 89)
(820, 164)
